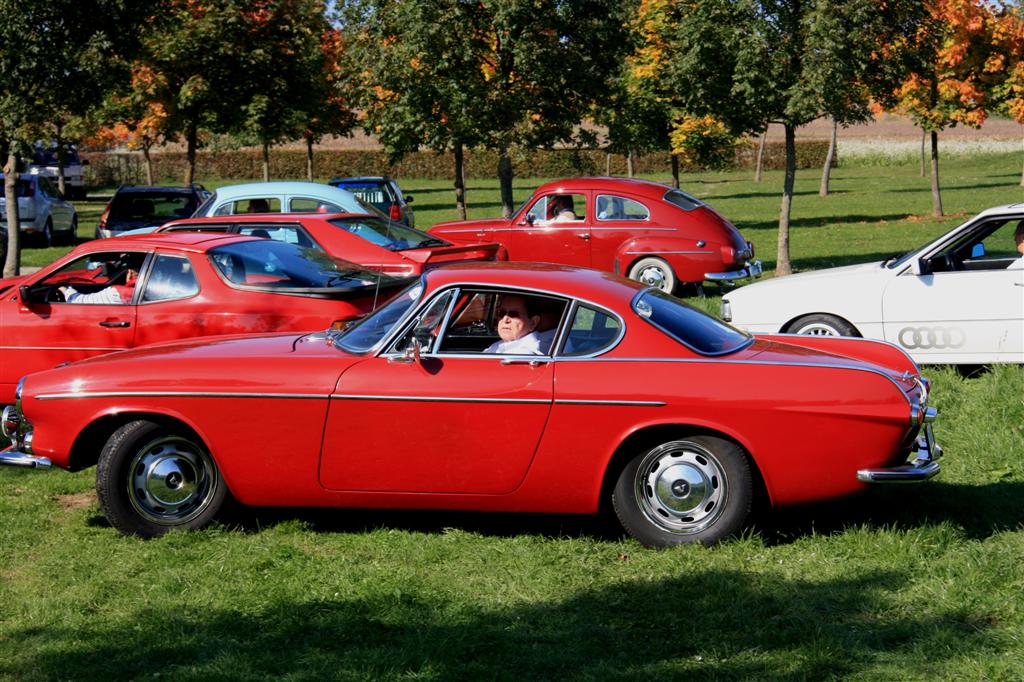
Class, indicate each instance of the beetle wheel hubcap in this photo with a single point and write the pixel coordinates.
(817, 329)
(681, 487)
(652, 276)
(171, 481)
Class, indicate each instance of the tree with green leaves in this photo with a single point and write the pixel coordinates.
(755, 62)
(57, 59)
(498, 73)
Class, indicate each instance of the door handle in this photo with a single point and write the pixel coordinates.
(584, 235)
(115, 324)
(524, 361)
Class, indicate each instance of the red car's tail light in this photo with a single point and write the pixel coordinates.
(396, 212)
(106, 214)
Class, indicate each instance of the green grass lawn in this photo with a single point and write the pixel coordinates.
(916, 582)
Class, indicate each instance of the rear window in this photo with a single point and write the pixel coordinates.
(695, 329)
(682, 200)
(388, 234)
(373, 193)
(267, 264)
(149, 205)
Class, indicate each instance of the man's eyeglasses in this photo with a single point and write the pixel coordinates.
(511, 312)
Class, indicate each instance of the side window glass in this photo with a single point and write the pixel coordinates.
(225, 209)
(506, 323)
(254, 205)
(591, 331)
(538, 211)
(97, 278)
(427, 328)
(560, 208)
(620, 208)
(171, 277)
(310, 205)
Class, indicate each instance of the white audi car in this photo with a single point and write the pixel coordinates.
(958, 299)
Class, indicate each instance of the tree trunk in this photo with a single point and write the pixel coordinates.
(460, 181)
(936, 196)
(149, 165)
(266, 162)
(309, 158)
(192, 141)
(629, 162)
(675, 171)
(924, 134)
(12, 260)
(608, 164)
(830, 159)
(61, 158)
(1022, 176)
(759, 166)
(505, 181)
(782, 265)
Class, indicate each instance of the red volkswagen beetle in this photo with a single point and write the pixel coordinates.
(371, 241)
(113, 294)
(649, 232)
(627, 396)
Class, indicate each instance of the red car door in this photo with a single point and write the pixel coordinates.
(553, 238)
(39, 336)
(439, 425)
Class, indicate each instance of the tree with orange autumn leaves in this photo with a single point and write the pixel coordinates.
(964, 63)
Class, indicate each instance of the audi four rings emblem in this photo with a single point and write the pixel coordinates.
(924, 338)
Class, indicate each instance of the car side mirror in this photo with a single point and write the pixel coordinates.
(978, 250)
(530, 219)
(27, 294)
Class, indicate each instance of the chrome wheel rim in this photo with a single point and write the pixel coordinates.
(653, 276)
(681, 487)
(817, 329)
(172, 481)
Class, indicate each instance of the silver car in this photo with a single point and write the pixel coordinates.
(42, 211)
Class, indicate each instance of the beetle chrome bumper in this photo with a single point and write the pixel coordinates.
(749, 271)
(11, 457)
(922, 467)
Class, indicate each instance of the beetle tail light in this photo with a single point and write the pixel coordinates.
(106, 214)
(396, 212)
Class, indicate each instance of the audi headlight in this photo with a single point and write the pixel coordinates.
(726, 310)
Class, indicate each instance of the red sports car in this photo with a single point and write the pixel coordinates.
(609, 391)
(132, 291)
(373, 242)
(644, 230)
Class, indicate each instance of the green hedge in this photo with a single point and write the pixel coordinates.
(109, 169)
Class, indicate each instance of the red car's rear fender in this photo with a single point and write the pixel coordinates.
(869, 350)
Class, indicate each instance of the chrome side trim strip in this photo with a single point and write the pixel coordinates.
(440, 399)
(103, 349)
(630, 403)
(658, 253)
(177, 394)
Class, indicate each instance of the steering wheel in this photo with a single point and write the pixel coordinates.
(55, 295)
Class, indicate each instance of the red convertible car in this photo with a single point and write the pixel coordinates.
(373, 242)
(132, 291)
(644, 230)
(623, 394)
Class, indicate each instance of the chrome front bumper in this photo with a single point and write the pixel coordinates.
(921, 467)
(749, 271)
(13, 458)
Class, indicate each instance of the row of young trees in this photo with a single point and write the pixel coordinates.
(687, 76)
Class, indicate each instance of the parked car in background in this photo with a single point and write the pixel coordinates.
(373, 242)
(281, 197)
(42, 212)
(139, 206)
(958, 299)
(649, 232)
(635, 400)
(45, 163)
(381, 191)
(174, 286)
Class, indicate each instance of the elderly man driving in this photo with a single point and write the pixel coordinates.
(517, 323)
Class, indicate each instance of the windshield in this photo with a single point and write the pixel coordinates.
(375, 193)
(694, 328)
(388, 234)
(369, 331)
(268, 264)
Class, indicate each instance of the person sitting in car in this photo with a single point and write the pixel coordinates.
(1018, 240)
(517, 323)
(115, 294)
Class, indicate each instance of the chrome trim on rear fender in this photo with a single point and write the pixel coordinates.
(14, 458)
(922, 467)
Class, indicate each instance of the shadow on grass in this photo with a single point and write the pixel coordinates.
(731, 624)
(851, 220)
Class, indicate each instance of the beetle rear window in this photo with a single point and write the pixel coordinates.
(682, 200)
(695, 329)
